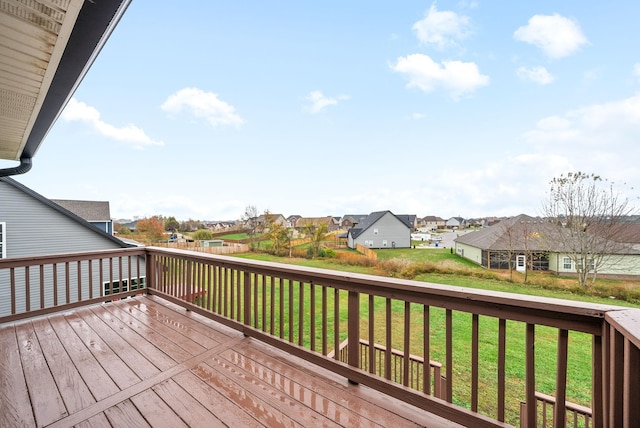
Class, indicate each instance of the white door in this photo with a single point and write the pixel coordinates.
(521, 263)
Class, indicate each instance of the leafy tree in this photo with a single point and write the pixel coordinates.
(170, 223)
(152, 227)
(202, 235)
(277, 233)
(317, 233)
(589, 211)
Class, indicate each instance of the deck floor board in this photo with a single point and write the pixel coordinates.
(147, 362)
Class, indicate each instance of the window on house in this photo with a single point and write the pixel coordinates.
(384, 242)
(590, 264)
(375, 231)
(3, 240)
(566, 263)
(135, 284)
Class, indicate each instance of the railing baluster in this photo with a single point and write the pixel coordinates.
(559, 408)
(502, 349)
(474, 361)
(12, 275)
(272, 294)
(407, 335)
(67, 286)
(281, 312)
(530, 376)
(426, 350)
(449, 357)
(312, 316)
(300, 312)
(353, 328)
(336, 322)
(371, 348)
(631, 390)
(290, 307)
(42, 286)
(387, 356)
(324, 321)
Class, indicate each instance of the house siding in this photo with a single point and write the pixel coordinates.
(616, 264)
(33, 228)
(468, 252)
(390, 229)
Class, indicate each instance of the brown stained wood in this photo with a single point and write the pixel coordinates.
(190, 410)
(502, 349)
(631, 387)
(125, 414)
(96, 378)
(120, 372)
(156, 318)
(156, 411)
(15, 409)
(74, 391)
(449, 356)
(319, 393)
(209, 397)
(406, 363)
(559, 409)
(174, 350)
(46, 401)
(530, 376)
(474, 361)
(161, 351)
(127, 352)
(270, 407)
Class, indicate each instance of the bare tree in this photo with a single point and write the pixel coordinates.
(250, 222)
(588, 211)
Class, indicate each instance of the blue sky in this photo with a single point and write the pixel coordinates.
(451, 108)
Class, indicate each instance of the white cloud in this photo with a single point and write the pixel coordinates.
(441, 28)
(319, 101)
(130, 134)
(538, 75)
(556, 35)
(456, 77)
(418, 116)
(202, 105)
(600, 138)
(636, 71)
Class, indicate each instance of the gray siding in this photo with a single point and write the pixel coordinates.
(34, 229)
(390, 229)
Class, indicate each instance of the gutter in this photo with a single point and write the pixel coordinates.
(25, 166)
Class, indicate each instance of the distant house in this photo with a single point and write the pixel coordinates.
(95, 212)
(380, 229)
(456, 223)
(331, 223)
(431, 222)
(32, 225)
(265, 219)
(292, 220)
(410, 219)
(350, 220)
(527, 243)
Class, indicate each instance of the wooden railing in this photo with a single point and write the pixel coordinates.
(378, 355)
(576, 416)
(495, 348)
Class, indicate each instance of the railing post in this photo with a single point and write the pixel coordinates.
(246, 298)
(353, 329)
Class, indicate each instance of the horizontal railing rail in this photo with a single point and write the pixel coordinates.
(495, 348)
(31, 286)
(576, 415)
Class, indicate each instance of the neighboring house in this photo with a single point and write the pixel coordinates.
(264, 219)
(32, 226)
(96, 213)
(431, 222)
(527, 242)
(456, 223)
(410, 219)
(381, 229)
(331, 222)
(292, 220)
(350, 220)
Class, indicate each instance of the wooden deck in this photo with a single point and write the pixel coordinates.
(146, 362)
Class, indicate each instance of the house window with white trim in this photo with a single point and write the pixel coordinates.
(3, 240)
(375, 231)
(590, 264)
(566, 263)
(384, 242)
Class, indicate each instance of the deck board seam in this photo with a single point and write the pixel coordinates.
(139, 387)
